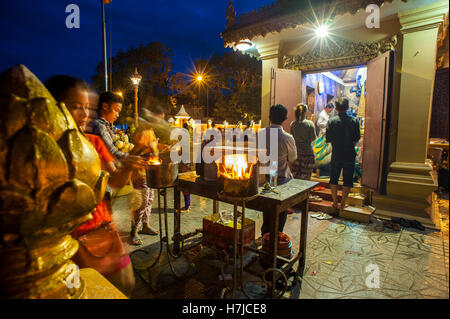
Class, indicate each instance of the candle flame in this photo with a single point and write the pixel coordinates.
(154, 160)
(236, 167)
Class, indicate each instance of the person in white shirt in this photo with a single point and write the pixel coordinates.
(287, 153)
(323, 118)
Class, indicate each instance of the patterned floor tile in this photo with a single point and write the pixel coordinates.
(374, 252)
(382, 238)
(316, 272)
(366, 294)
(308, 291)
(325, 264)
(351, 280)
(343, 227)
(403, 278)
(421, 242)
(432, 280)
(399, 293)
(433, 293)
(327, 245)
(420, 260)
(311, 282)
(446, 265)
(410, 264)
(342, 284)
(362, 269)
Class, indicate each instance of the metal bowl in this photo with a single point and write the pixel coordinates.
(241, 187)
(162, 176)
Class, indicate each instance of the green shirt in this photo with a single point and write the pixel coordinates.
(304, 133)
(343, 133)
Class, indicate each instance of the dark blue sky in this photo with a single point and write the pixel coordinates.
(33, 32)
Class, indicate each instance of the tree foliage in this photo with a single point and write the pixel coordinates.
(153, 62)
(237, 82)
(233, 81)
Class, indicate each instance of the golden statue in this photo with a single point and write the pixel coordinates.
(50, 181)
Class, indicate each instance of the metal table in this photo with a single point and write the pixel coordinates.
(293, 193)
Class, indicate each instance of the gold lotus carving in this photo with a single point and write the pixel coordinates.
(50, 182)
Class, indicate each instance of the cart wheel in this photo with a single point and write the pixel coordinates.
(268, 284)
(225, 293)
(177, 237)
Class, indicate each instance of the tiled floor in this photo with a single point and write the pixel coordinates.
(408, 263)
(344, 259)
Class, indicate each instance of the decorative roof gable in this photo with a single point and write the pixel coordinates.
(284, 14)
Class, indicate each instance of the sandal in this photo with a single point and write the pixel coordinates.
(136, 240)
(321, 216)
(391, 225)
(314, 198)
(149, 231)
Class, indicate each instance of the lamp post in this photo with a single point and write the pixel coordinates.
(105, 60)
(200, 79)
(136, 79)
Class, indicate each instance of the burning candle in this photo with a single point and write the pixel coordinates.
(236, 167)
(154, 161)
(237, 176)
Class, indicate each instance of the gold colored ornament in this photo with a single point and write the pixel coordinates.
(50, 182)
(339, 53)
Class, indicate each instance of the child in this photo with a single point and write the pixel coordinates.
(146, 144)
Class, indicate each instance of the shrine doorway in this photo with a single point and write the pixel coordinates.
(369, 89)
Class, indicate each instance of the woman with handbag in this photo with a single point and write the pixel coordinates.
(100, 246)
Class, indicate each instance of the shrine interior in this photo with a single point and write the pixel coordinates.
(321, 88)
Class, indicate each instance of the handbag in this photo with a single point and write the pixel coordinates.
(322, 151)
(101, 249)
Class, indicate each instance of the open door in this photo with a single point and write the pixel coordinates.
(377, 121)
(286, 89)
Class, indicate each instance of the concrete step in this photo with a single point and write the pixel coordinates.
(354, 199)
(326, 194)
(323, 206)
(360, 214)
(324, 182)
(357, 200)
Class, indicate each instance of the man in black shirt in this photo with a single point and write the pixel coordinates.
(343, 133)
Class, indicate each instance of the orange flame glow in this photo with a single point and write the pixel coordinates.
(154, 160)
(236, 167)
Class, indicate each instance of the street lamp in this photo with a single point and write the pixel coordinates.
(200, 79)
(136, 79)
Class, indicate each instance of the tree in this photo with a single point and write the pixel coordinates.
(234, 87)
(154, 62)
(239, 85)
(183, 92)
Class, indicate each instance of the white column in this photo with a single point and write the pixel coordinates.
(410, 181)
(420, 31)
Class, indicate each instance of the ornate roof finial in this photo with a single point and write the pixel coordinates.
(231, 16)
